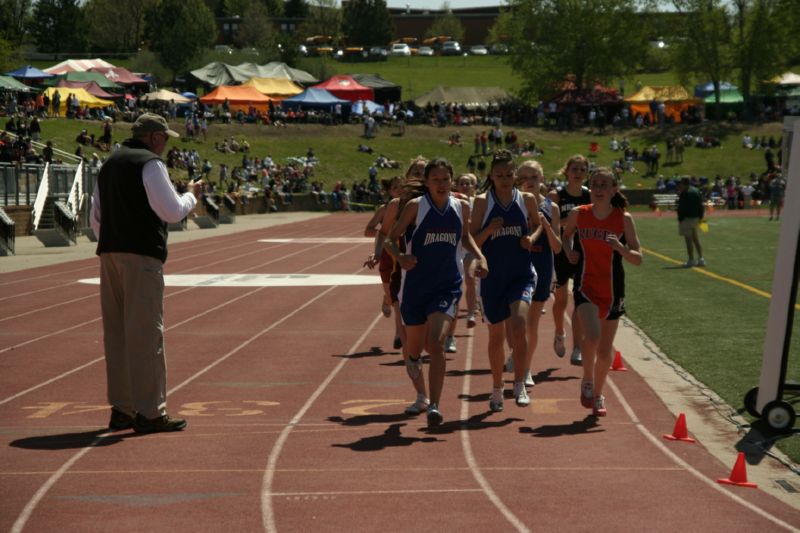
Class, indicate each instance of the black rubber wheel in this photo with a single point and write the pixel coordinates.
(750, 402)
(779, 415)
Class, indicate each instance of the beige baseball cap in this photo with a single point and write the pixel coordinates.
(151, 123)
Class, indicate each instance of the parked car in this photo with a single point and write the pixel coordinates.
(425, 51)
(498, 49)
(400, 49)
(478, 50)
(451, 48)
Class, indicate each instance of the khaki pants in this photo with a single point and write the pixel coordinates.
(131, 297)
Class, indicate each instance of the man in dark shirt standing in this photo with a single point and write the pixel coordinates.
(131, 206)
(690, 213)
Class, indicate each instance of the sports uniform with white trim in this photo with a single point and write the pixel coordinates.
(542, 257)
(600, 278)
(511, 275)
(434, 284)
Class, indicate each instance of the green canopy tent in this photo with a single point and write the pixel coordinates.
(7, 83)
(730, 101)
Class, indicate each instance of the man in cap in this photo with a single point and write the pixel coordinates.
(133, 202)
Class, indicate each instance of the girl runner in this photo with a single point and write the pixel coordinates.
(467, 184)
(502, 223)
(571, 195)
(433, 225)
(607, 235)
(530, 177)
(392, 189)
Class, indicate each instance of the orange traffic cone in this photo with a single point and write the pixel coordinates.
(680, 432)
(618, 365)
(738, 475)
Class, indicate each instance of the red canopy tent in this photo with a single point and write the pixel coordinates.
(346, 88)
(120, 75)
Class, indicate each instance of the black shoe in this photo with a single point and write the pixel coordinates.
(119, 420)
(398, 343)
(159, 424)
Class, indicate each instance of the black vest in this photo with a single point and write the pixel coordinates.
(127, 222)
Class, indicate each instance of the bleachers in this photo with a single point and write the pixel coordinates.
(211, 219)
(665, 201)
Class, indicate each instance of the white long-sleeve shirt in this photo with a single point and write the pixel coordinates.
(161, 195)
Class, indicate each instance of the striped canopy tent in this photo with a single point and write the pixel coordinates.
(239, 97)
(85, 99)
(77, 65)
(275, 88)
(676, 100)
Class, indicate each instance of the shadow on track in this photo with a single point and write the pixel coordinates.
(578, 427)
(71, 441)
(390, 438)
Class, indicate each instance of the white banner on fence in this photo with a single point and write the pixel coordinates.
(41, 196)
(76, 192)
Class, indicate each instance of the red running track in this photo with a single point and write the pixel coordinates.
(294, 399)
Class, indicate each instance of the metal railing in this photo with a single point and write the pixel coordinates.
(7, 233)
(65, 221)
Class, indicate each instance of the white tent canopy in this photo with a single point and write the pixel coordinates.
(163, 95)
(78, 65)
(787, 78)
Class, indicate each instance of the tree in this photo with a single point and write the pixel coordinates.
(9, 56)
(179, 31)
(367, 22)
(704, 46)
(764, 42)
(588, 41)
(59, 26)
(14, 18)
(324, 18)
(256, 30)
(447, 24)
(108, 32)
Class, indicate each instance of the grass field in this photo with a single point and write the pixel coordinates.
(336, 147)
(712, 328)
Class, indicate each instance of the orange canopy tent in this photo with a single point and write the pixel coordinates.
(676, 100)
(238, 97)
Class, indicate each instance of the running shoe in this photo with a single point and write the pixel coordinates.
(690, 263)
(587, 394)
(471, 322)
(496, 401)
(450, 344)
(521, 395)
(559, 346)
(158, 424)
(418, 406)
(576, 358)
(529, 379)
(701, 262)
(599, 406)
(509, 366)
(414, 368)
(398, 343)
(386, 309)
(434, 416)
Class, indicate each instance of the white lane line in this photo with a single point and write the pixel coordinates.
(683, 464)
(470, 457)
(267, 510)
(689, 468)
(25, 515)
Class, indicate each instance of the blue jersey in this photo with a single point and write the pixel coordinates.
(506, 257)
(434, 241)
(542, 256)
(511, 275)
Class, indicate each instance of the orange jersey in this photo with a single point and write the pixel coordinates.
(600, 278)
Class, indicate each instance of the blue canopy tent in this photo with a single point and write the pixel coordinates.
(314, 99)
(29, 73)
(368, 106)
(704, 89)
